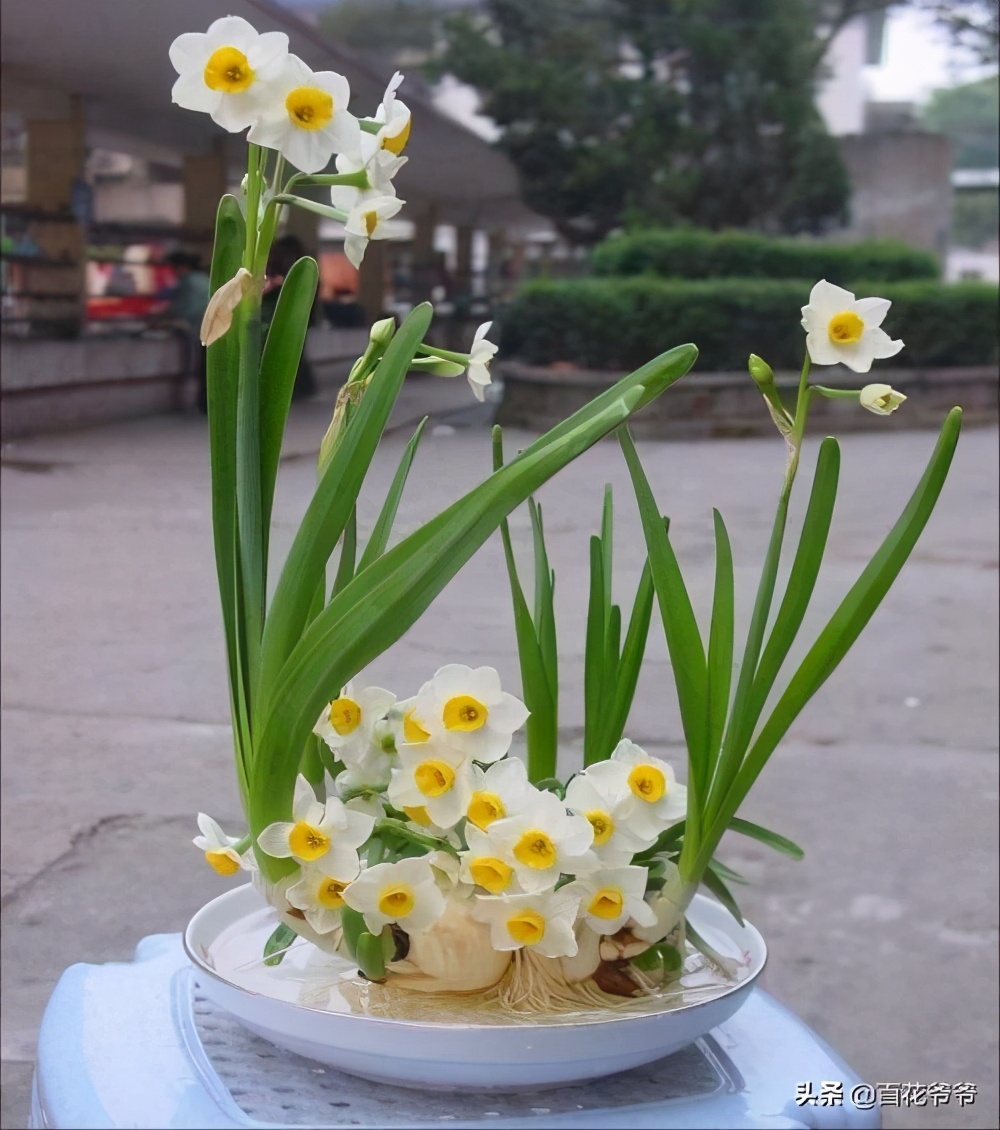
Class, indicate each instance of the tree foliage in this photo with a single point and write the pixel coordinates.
(969, 115)
(693, 111)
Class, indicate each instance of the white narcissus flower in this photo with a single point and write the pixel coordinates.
(480, 356)
(845, 330)
(488, 863)
(604, 804)
(404, 892)
(432, 779)
(611, 897)
(379, 166)
(883, 400)
(668, 905)
(219, 851)
(350, 723)
(652, 798)
(544, 842)
(218, 316)
(501, 790)
(320, 896)
(226, 72)
(541, 921)
(467, 710)
(394, 117)
(329, 831)
(306, 118)
(367, 220)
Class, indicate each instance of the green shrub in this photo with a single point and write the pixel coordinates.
(622, 323)
(690, 253)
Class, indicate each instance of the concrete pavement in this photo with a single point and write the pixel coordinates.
(115, 729)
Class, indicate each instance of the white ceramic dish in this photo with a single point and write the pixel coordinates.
(314, 1005)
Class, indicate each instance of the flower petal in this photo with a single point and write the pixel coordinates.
(273, 840)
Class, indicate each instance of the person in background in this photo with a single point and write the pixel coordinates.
(186, 310)
(285, 252)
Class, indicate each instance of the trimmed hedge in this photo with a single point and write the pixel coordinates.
(619, 324)
(690, 253)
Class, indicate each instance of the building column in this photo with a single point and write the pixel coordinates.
(425, 275)
(371, 280)
(204, 179)
(463, 259)
(55, 156)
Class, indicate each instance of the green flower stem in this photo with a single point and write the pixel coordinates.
(369, 125)
(268, 223)
(326, 210)
(352, 180)
(736, 738)
(444, 354)
(837, 393)
(253, 204)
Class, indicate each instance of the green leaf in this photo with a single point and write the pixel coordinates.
(370, 956)
(595, 656)
(802, 578)
(766, 836)
(720, 641)
(715, 884)
(348, 554)
(382, 602)
(387, 515)
(630, 662)
(847, 623)
(726, 872)
(249, 513)
(541, 728)
(222, 381)
(277, 944)
(334, 500)
(545, 616)
(279, 365)
(687, 655)
(353, 924)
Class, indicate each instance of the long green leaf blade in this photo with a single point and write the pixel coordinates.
(854, 612)
(687, 654)
(715, 884)
(334, 499)
(348, 556)
(766, 836)
(279, 365)
(720, 641)
(387, 515)
(222, 369)
(632, 654)
(541, 729)
(595, 653)
(802, 578)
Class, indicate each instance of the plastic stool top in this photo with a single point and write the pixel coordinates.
(135, 1045)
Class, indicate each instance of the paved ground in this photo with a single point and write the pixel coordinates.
(115, 719)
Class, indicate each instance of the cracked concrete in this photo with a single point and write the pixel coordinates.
(115, 728)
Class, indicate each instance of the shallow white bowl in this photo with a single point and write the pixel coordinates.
(314, 1005)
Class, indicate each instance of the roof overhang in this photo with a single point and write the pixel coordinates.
(112, 54)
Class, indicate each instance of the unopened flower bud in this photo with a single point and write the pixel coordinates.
(881, 399)
(763, 376)
(761, 371)
(382, 332)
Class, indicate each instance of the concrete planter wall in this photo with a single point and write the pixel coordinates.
(705, 405)
(53, 385)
